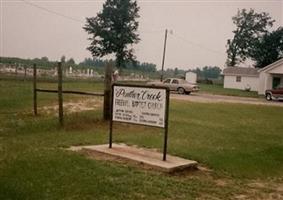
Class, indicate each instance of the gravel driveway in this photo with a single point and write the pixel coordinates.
(209, 98)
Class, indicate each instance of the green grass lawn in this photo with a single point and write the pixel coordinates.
(241, 145)
(219, 90)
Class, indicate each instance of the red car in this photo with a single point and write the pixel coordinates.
(276, 94)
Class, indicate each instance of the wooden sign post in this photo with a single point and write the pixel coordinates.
(60, 95)
(34, 90)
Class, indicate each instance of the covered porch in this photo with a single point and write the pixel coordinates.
(271, 76)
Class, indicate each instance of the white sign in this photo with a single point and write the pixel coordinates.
(139, 105)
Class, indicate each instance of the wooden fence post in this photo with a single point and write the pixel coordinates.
(25, 75)
(107, 92)
(34, 90)
(60, 95)
(16, 69)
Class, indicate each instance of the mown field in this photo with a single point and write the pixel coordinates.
(239, 148)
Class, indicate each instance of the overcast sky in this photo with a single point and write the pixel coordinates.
(200, 29)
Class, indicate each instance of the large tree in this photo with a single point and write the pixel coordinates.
(114, 30)
(250, 27)
(268, 49)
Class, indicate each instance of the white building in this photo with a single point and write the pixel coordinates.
(242, 78)
(270, 76)
(191, 77)
(256, 79)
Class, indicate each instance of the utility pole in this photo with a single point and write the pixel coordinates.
(163, 59)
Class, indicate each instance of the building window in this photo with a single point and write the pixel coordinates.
(238, 78)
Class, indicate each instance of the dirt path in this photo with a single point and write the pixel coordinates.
(209, 98)
(74, 106)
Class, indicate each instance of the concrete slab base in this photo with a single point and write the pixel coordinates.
(150, 158)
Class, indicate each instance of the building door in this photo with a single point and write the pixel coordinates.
(276, 82)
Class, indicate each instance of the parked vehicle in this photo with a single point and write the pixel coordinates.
(176, 84)
(274, 94)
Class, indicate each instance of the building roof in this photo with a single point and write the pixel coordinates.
(240, 71)
(272, 65)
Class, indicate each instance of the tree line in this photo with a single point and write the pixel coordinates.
(97, 64)
(136, 66)
(43, 62)
(206, 72)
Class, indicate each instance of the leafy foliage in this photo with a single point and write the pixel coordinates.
(268, 49)
(250, 27)
(90, 62)
(113, 30)
(43, 62)
(137, 66)
(208, 72)
(71, 62)
(63, 59)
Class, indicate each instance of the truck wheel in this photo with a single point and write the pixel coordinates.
(268, 97)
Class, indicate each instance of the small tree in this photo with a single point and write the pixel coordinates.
(176, 71)
(63, 59)
(113, 30)
(250, 26)
(71, 61)
(45, 59)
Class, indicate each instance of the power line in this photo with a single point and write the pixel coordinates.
(53, 12)
(146, 32)
(151, 31)
(198, 45)
(183, 39)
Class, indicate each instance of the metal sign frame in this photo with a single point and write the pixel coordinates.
(166, 117)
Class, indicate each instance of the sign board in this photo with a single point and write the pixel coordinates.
(139, 105)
